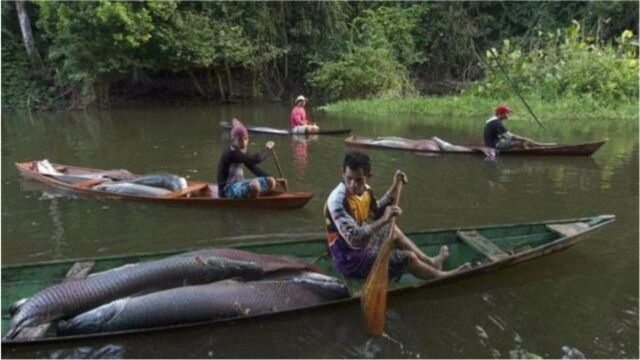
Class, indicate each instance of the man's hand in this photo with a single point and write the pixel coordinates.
(391, 211)
(283, 182)
(270, 144)
(399, 176)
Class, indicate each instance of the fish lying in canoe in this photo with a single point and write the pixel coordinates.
(71, 298)
(436, 145)
(215, 301)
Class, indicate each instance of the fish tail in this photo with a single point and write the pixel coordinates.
(12, 332)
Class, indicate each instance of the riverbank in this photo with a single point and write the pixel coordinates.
(448, 107)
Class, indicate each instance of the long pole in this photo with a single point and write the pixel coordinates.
(275, 158)
(515, 88)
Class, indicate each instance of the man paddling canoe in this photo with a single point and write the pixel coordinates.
(231, 182)
(354, 243)
(298, 122)
(496, 135)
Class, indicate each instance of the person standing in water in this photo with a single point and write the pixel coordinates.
(298, 122)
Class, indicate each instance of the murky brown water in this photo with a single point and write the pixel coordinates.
(581, 302)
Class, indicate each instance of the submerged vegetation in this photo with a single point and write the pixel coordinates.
(67, 54)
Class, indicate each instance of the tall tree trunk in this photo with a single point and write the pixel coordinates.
(27, 37)
(285, 38)
(196, 83)
(220, 86)
(228, 69)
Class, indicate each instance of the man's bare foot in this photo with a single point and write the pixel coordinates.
(463, 267)
(442, 256)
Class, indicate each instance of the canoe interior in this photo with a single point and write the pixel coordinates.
(584, 149)
(279, 131)
(518, 242)
(275, 199)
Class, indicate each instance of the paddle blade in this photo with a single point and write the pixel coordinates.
(374, 292)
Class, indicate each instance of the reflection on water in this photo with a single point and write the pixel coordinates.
(87, 352)
(578, 302)
(300, 153)
(57, 233)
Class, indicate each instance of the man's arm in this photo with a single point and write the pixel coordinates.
(392, 193)
(521, 138)
(248, 160)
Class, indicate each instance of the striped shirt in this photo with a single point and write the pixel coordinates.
(346, 215)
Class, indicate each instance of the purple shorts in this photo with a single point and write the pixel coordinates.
(357, 263)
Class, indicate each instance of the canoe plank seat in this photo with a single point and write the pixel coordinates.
(569, 229)
(481, 244)
(78, 271)
(187, 190)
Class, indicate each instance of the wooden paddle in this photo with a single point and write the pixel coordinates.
(275, 158)
(374, 291)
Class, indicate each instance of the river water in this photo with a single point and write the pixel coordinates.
(582, 302)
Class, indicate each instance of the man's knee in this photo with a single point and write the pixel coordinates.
(398, 235)
(412, 259)
(271, 183)
(254, 186)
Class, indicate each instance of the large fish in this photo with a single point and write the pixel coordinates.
(73, 297)
(268, 263)
(220, 300)
(165, 181)
(196, 267)
(131, 189)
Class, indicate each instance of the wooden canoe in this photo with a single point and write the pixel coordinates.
(487, 248)
(584, 149)
(278, 131)
(194, 194)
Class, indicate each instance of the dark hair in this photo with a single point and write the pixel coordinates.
(357, 160)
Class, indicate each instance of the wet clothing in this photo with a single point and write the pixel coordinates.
(352, 242)
(230, 167)
(297, 117)
(494, 130)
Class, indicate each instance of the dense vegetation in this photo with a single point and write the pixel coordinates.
(96, 53)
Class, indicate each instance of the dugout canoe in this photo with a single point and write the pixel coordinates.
(583, 149)
(487, 248)
(279, 131)
(196, 193)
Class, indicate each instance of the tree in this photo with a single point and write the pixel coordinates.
(27, 37)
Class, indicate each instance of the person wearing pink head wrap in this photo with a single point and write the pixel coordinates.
(231, 181)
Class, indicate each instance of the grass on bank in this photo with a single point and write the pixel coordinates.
(433, 107)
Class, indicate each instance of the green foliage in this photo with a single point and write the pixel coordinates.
(373, 62)
(566, 64)
(19, 89)
(326, 49)
(448, 109)
(94, 43)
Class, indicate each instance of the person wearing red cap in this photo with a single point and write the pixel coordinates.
(298, 122)
(231, 182)
(496, 135)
